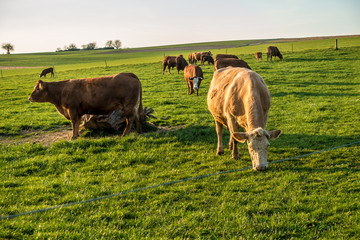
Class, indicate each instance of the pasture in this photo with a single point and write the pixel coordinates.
(315, 102)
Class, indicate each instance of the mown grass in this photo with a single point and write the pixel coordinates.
(315, 101)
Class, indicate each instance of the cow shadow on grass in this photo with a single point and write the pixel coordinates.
(197, 134)
(207, 135)
(109, 132)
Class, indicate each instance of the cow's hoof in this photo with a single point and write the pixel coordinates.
(74, 137)
(219, 153)
(237, 156)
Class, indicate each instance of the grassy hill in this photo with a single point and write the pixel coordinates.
(315, 102)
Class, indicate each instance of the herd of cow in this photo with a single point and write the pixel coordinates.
(193, 74)
(238, 98)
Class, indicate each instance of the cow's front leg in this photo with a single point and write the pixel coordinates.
(188, 87)
(75, 123)
(231, 143)
(219, 131)
(233, 128)
(75, 127)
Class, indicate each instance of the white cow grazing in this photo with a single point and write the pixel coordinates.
(239, 98)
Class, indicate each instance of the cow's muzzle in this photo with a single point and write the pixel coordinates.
(261, 167)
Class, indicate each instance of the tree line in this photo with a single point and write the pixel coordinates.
(116, 44)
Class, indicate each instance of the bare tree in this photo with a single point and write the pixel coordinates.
(109, 44)
(117, 44)
(8, 47)
(89, 46)
(72, 46)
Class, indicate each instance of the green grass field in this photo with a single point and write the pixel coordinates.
(315, 102)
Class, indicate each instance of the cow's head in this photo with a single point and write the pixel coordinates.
(280, 56)
(39, 93)
(258, 143)
(197, 82)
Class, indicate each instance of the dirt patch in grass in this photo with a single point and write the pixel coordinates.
(42, 137)
(46, 138)
(14, 67)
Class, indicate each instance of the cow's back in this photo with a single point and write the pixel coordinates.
(230, 62)
(221, 56)
(192, 71)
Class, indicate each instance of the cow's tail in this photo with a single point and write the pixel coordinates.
(140, 109)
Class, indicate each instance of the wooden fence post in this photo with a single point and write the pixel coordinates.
(336, 44)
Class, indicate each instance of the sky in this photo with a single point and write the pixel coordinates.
(45, 25)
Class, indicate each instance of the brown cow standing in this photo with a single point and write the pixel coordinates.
(239, 98)
(169, 62)
(102, 95)
(207, 58)
(221, 56)
(180, 63)
(258, 56)
(46, 71)
(196, 57)
(193, 76)
(273, 52)
(230, 62)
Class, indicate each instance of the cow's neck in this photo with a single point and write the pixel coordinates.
(54, 91)
(255, 116)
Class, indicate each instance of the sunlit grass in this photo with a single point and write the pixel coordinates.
(315, 102)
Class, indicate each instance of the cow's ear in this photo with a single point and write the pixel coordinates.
(240, 136)
(40, 84)
(274, 134)
(201, 78)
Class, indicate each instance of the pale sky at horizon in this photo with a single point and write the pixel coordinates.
(45, 25)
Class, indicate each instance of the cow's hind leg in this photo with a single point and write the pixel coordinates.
(129, 122)
(137, 121)
(219, 131)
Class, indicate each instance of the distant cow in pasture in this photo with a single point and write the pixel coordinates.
(190, 58)
(230, 62)
(273, 52)
(221, 56)
(258, 56)
(196, 56)
(102, 95)
(169, 62)
(207, 58)
(180, 63)
(46, 71)
(193, 76)
(239, 98)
